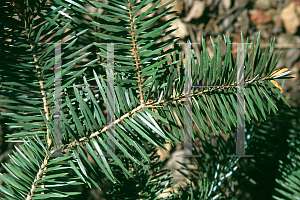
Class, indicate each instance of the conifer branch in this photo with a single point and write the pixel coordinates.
(135, 53)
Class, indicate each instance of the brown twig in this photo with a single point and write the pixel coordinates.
(46, 109)
(37, 178)
(135, 53)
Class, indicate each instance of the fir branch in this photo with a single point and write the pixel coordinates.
(39, 175)
(135, 52)
(40, 78)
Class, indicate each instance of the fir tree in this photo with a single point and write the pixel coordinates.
(148, 108)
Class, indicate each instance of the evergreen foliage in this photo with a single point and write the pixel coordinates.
(149, 100)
